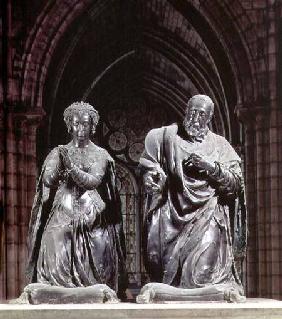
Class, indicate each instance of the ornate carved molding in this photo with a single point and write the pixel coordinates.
(32, 117)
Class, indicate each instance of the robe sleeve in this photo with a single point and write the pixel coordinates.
(52, 169)
(40, 211)
(151, 158)
(232, 184)
(85, 180)
(227, 176)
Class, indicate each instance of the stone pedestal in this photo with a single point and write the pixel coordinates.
(252, 309)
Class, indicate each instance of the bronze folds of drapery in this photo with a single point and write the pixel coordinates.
(195, 226)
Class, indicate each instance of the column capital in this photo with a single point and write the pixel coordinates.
(30, 118)
(34, 118)
(250, 115)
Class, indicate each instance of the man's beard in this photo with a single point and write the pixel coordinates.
(194, 131)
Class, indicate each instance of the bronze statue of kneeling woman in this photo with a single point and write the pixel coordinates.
(76, 238)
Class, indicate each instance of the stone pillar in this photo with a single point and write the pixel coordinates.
(21, 180)
(2, 202)
(263, 142)
(273, 214)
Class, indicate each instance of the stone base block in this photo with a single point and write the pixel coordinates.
(162, 293)
(44, 294)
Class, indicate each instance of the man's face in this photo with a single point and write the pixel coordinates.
(81, 126)
(197, 118)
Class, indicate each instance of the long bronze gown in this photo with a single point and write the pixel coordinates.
(75, 235)
(189, 226)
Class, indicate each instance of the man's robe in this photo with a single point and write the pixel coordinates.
(197, 224)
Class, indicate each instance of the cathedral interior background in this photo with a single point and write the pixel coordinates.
(138, 62)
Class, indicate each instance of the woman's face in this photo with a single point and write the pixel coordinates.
(81, 127)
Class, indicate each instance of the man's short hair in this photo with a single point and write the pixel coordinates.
(203, 98)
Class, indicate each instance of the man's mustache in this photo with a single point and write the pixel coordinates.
(192, 124)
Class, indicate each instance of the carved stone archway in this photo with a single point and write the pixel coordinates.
(183, 48)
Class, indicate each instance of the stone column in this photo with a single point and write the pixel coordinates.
(263, 143)
(273, 275)
(20, 188)
(2, 202)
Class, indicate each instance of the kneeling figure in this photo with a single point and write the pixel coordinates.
(76, 238)
(195, 216)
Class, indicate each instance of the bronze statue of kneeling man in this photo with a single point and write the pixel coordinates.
(76, 239)
(195, 215)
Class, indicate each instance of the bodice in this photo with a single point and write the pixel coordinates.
(71, 201)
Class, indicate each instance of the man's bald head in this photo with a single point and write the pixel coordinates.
(201, 99)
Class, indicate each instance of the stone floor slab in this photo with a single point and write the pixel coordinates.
(252, 309)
